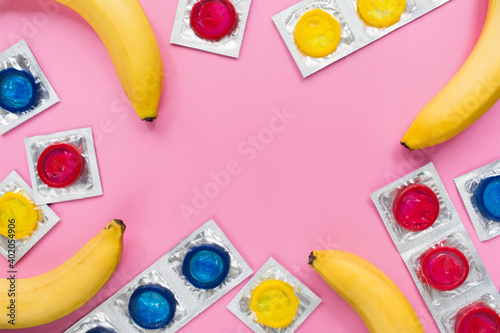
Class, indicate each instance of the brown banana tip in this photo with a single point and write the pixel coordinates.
(120, 223)
(405, 145)
(150, 119)
(312, 257)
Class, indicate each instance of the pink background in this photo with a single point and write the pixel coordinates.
(308, 188)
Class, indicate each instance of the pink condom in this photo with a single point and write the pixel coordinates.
(213, 19)
(445, 268)
(416, 208)
(60, 165)
(479, 318)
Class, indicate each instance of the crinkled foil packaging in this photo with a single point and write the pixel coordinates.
(447, 231)
(230, 45)
(88, 183)
(165, 272)
(46, 220)
(467, 186)
(240, 305)
(450, 318)
(20, 57)
(355, 34)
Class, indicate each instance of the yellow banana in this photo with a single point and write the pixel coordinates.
(471, 92)
(377, 300)
(41, 299)
(128, 36)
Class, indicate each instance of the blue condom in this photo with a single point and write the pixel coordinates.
(100, 329)
(206, 266)
(152, 306)
(18, 90)
(488, 198)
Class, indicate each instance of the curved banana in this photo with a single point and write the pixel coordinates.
(377, 300)
(128, 36)
(50, 296)
(471, 92)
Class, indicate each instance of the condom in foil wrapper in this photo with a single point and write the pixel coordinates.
(33, 221)
(480, 192)
(63, 166)
(24, 88)
(338, 27)
(435, 246)
(241, 305)
(425, 185)
(480, 314)
(215, 26)
(162, 298)
(458, 245)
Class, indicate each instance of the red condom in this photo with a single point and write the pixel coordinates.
(60, 165)
(416, 208)
(213, 19)
(479, 318)
(445, 268)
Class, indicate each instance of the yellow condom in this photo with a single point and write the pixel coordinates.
(381, 13)
(317, 33)
(17, 209)
(274, 303)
